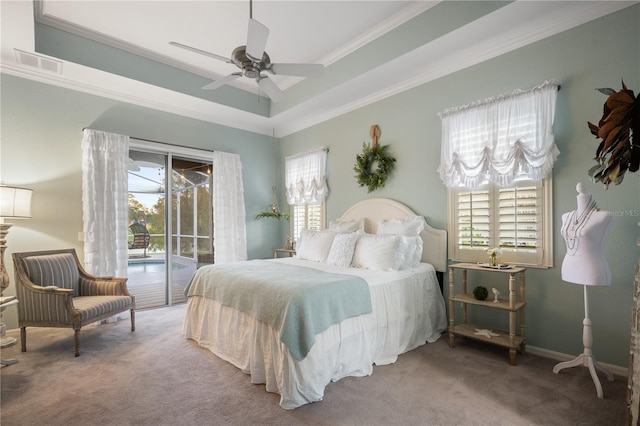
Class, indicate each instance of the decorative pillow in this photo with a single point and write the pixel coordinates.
(411, 226)
(342, 249)
(314, 245)
(380, 252)
(347, 226)
(413, 256)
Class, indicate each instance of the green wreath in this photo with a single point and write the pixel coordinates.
(376, 154)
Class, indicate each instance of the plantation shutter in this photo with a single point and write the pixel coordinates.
(474, 219)
(314, 216)
(512, 219)
(299, 220)
(306, 217)
(519, 218)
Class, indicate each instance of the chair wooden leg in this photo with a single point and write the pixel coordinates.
(76, 338)
(23, 338)
(133, 320)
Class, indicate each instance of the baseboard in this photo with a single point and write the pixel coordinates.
(622, 372)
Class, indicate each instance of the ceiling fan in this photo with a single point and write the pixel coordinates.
(253, 61)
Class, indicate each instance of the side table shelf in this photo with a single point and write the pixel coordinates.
(281, 250)
(514, 306)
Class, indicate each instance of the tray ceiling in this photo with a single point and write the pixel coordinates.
(370, 49)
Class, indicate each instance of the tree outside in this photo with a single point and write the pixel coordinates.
(183, 211)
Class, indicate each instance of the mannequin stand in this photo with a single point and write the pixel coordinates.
(586, 358)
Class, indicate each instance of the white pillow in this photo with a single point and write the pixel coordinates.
(411, 226)
(342, 249)
(413, 257)
(314, 245)
(380, 252)
(347, 226)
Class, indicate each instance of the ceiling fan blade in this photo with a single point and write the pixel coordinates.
(300, 70)
(222, 81)
(270, 88)
(257, 35)
(202, 52)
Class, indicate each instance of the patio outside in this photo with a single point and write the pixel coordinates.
(191, 228)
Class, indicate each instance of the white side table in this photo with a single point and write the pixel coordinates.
(515, 307)
(281, 250)
(5, 341)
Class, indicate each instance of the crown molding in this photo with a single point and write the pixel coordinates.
(456, 55)
(450, 53)
(145, 95)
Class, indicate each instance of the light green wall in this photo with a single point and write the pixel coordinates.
(597, 54)
(41, 135)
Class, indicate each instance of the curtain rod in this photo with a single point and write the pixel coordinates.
(322, 148)
(152, 141)
(513, 94)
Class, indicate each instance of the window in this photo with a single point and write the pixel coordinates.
(516, 218)
(306, 185)
(497, 157)
(170, 194)
(308, 216)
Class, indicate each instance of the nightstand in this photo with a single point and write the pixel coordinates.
(512, 305)
(277, 251)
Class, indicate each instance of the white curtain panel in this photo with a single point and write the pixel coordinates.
(306, 178)
(105, 202)
(229, 225)
(500, 138)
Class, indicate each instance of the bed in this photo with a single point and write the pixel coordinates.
(402, 306)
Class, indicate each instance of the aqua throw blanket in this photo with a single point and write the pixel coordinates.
(299, 302)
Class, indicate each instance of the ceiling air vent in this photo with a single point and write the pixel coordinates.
(37, 61)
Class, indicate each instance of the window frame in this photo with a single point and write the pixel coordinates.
(295, 231)
(542, 258)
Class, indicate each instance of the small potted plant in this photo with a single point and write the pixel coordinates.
(273, 213)
(494, 254)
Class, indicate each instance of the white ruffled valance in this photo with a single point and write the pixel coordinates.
(499, 139)
(306, 177)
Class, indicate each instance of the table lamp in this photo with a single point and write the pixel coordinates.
(15, 203)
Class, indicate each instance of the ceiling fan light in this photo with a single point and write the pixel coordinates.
(251, 72)
(252, 60)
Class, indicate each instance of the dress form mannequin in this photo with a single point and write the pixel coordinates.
(584, 231)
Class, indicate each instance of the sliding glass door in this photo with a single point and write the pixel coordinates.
(178, 234)
(191, 220)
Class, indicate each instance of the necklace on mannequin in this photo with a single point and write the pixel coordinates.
(574, 224)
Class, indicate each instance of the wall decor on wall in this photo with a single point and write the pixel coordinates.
(375, 164)
(620, 123)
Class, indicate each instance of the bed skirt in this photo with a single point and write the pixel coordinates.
(400, 321)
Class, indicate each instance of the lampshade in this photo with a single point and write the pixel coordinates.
(15, 203)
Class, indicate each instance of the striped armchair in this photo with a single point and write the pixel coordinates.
(55, 291)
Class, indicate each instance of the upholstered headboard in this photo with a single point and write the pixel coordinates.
(375, 209)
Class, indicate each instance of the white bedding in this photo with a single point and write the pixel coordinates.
(408, 310)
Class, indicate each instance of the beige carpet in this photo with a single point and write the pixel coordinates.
(156, 377)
